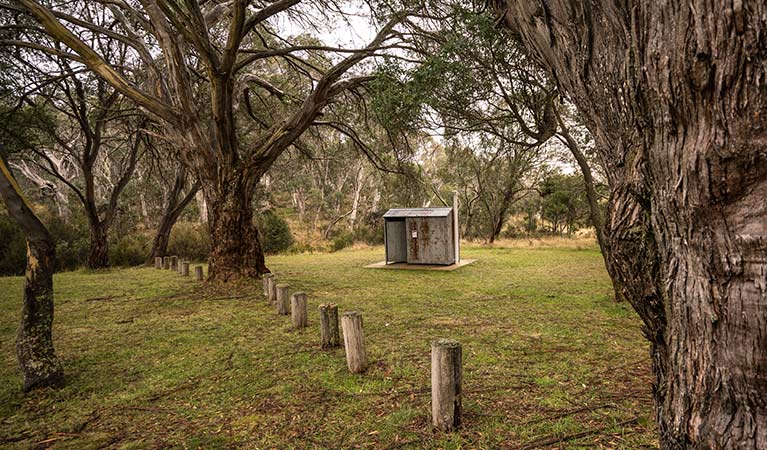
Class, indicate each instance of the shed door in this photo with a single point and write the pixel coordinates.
(396, 241)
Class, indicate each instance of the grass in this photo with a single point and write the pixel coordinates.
(154, 359)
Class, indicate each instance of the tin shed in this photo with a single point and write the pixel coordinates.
(421, 236)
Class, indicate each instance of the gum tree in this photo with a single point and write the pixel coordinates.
(34, 342)
(674, 94)
(200, 61)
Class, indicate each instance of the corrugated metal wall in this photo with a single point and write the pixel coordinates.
(430, 240)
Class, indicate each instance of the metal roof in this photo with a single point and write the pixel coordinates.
(417, 212)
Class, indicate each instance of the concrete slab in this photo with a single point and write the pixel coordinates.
(406, 266)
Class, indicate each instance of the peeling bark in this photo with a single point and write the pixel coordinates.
(675, 95)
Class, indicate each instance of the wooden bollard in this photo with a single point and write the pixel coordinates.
(166, 262)
(283, 299)
(174, 263)
(158, 262)
(446, 374)
(329, 337)
(198, 273)
(265, 279)
(298, 313)
(180, 267)
(354, 342)
(185, 268)
(271, 294)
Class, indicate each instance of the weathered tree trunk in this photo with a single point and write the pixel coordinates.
(235, 248)
(98, 256)
(34, 342)
(675, 96)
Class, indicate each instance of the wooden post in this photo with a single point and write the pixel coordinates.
(283, 299)
(158, 262)
(271, 294)
(198, 272)
(174, 263)
(265, 280)
(446, 374)
(166, 262)
(354, 342)
(298, 313)
(456, 229)
(329, 336)
(185, 268)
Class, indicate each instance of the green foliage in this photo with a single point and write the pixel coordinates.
(563, 202)
(72, 239)
(189, 240)
(341, 240)
(371, 232)
(274, 232)
(130, 250)
(13, 246)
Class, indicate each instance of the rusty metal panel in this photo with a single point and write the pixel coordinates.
(430, 240)
(396, 241)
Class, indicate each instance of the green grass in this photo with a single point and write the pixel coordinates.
(154, 359)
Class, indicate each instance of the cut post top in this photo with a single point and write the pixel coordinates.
(446, 343)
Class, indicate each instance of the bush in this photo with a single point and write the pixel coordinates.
(72, 243)
(72, 239)
(301, 247)
(13, 247)
(130, 250)
(371, 236)
(341, 241)
(274, 233)
(189, 240)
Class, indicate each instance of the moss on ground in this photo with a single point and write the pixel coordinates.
(154, 359)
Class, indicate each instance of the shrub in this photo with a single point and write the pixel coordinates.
(371, 236)
(301, 247)
(274, 232)
(13, 247)
(72, 240)
(342, 240)
(130, 250)
(189, 240)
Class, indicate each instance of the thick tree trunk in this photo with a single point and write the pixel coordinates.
(98, 256)
(675, 96)
(235, 247)
(34, 342)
